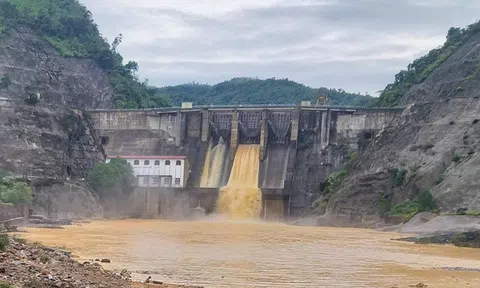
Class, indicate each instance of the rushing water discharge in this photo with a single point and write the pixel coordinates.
(242, 198)
(254, 254)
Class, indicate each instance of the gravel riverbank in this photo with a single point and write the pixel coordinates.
(32, 265)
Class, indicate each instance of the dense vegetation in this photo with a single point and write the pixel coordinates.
(421, 68)
(69, 27)
(256, 91)
(14, 192)
(111, 179)
(405, 211)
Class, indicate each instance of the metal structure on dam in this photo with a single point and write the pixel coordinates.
(282, 131)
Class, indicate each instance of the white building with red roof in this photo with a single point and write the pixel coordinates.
(158, 171)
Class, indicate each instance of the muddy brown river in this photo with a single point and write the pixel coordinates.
(250, 254)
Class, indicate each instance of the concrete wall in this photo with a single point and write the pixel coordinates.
(319, 140)
(171, 203)
(121, 120)
(351, 126)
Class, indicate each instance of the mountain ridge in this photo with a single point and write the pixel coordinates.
(241, 90)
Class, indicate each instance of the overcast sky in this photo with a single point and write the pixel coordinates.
(357, 45)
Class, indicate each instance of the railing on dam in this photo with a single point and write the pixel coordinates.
(255, 107)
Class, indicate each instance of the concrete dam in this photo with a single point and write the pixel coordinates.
(288, 152)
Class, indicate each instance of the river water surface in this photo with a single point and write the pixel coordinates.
(250, 254)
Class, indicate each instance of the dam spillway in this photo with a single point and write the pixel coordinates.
(298, 146)
(215, 172)
(241, 197)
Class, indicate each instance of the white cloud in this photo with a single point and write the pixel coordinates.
(333, 43)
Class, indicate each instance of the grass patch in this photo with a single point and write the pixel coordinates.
(472, 213)
(406, 211)
(398, 176)
(4, 242)
(438, 180)
(457, 158)
(6, 285)
(333, 183)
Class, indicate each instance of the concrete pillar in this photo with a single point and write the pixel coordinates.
(292, 151)
(318, 120)
(263, 136)
(205, 126)
(329, 122)
(234, 136)
(294, 126)
(179, 127)
(183, 126)
(325, 128)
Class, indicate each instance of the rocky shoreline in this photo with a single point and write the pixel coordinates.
(29, 265)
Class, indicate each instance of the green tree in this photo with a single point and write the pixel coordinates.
(110, 179)
(16, 193)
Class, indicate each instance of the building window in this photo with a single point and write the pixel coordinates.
(179, 163)
(136, 162)
(177, 181)
(145, 180)
(157, 163)
(167, 181)
(167, 163)
(146, 162)
(156, 181)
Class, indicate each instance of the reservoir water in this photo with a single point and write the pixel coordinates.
(221, 253)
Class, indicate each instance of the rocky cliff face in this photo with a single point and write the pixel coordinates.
(435, 143)
(46, 142)
(65, 200)
(50, 143)
(29, 64)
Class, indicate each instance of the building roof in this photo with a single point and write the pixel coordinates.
(164, 157)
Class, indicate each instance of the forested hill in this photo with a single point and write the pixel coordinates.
(68, 27)
(256, 91)
(421, 68)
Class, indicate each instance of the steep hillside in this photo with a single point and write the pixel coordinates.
(54, 48)
(432, 147)
(29, 64)
(249, 90)
(418, 71)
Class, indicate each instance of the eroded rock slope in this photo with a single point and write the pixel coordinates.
(435, 143)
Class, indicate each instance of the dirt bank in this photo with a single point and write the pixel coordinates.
(31, 265)
(429, 224)
(429, 228)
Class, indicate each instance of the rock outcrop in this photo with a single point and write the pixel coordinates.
(49, 145)
(435, 142)
(31, 65)
(46, 142)
(65, 200)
